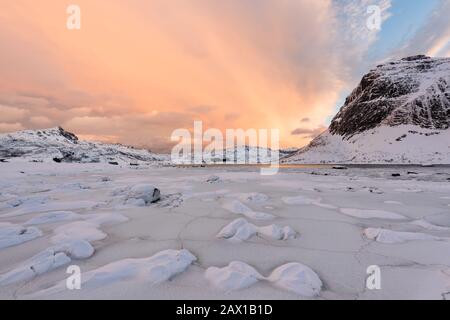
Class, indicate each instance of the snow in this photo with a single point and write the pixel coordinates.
(379, 146)
(153, 270)
(236, 276)
(241, 230)
(112, 241)
(53, 217)
(390, 236)
(240, 208)
(12, 235)
(48, 260)
(372, 214)
(297, 278)
(294, 277)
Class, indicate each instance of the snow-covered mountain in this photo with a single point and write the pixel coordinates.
(399, 113)
(59, 145)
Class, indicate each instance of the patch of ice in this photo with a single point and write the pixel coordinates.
(12, 234)
(406, 190)
(371, 214)
(392, 237)
(240, 208)
(51, 206)
(53, 217)
(241, 230)
(213, 179)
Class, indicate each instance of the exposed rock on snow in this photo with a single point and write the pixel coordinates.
(12, 234)
(213, 179)
(143, 194)
(390, 236)
(240, 208)
(241, 230)
(399, 113)
(294, 277)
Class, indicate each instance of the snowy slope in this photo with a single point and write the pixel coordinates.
(399, 113)
(60, 145)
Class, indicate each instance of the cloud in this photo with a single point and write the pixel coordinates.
(11, 114)
(433, 38)
(10, 127)
(309, 133)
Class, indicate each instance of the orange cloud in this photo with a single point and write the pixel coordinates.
(264, 64)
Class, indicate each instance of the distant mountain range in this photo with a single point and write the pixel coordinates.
(399, 113)
(59, 145)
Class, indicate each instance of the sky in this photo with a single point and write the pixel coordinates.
(136, 70)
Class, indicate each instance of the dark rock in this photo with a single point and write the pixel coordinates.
(412, 172)
(3, 160)
(57, 160)
(340, 168)
(114, 163)
(396, 175)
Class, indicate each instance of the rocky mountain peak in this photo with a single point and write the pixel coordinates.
(411, 91)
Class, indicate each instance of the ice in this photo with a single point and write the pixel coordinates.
(429, 226)
(240, 208)
(297, 278)
(241, 230)
(51, 206)
(391, 237)
(236, 276)
(53, 217)
(48, 260)
(12, 234)
(371, 214)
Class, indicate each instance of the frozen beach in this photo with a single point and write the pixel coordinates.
(308, 232)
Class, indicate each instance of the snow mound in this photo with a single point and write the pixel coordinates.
(238, 207)
(294, 277)
(12, 235)
(297, 278)
(391, 237)
(371, 214)
(240, 230)
(156, 269)
(48, 260)
(236, 276)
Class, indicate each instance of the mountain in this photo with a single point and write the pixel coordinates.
(59, 145)
(399, 113)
